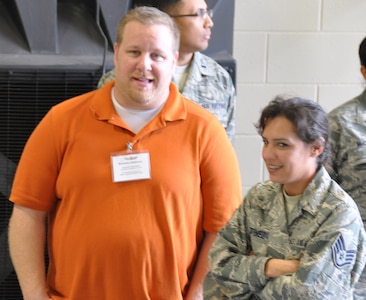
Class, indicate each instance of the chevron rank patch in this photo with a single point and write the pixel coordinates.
(341, 256)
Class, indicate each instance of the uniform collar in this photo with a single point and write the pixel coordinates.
(362, 99)
(199, 64)
(310, 200)
(316, 191)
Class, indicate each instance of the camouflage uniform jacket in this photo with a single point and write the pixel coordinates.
(324, 232)
(209, 85)
(348, 141)
(347, 125)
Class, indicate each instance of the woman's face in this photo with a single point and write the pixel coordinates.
(289, 160)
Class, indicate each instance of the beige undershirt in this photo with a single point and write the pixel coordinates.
(290, 201)
(180, 76)
(134, 118)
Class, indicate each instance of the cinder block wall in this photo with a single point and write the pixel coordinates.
(302, 48)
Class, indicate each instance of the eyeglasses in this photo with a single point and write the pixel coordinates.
(202, 13)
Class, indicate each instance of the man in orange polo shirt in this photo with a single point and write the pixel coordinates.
(134, 179)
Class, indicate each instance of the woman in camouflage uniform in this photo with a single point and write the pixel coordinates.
(298, 235)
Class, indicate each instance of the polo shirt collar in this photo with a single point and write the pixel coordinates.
(102, 107)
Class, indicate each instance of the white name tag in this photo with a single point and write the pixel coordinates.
(131, 165)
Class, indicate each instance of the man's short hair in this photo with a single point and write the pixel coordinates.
(362, 52)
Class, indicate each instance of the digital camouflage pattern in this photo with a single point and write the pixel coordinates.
(209, 85)
(347, 125)
(324, 231)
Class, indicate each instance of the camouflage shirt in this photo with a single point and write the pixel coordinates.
(348, 141)
(209, 85)
(324, 231)
(347, 125)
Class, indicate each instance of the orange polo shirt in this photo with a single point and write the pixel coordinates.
(126, 240)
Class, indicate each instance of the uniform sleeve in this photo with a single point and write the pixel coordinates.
(234, 274)
(229, 93)
(334, 141)
(231, 110)
(107, 77)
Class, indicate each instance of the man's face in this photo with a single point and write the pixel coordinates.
(144, 65)
(195, 31)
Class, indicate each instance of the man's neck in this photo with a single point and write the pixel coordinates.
(185, 58)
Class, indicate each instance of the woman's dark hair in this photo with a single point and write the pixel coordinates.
(308, 117)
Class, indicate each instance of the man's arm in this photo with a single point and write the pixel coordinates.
(195, 291)
(27, 235)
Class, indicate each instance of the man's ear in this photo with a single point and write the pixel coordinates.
(176, 57)
(115, 50)
(363, 71)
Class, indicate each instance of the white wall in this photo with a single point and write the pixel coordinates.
(307, 48)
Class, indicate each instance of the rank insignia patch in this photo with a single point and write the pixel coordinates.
(341, 256)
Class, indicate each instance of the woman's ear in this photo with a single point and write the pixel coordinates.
(317, 147)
